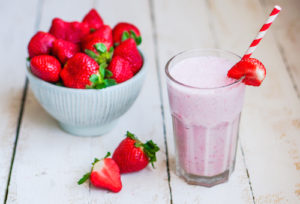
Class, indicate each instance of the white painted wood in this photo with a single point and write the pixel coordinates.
(185, 25)
(286, 32)
(49, 162)
(17, 24)
(270, 126)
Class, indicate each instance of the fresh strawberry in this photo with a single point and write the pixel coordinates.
(90, 44)
(78, 70)
(133, 155)
(122, 31)
(40, 44)
(128, 50)
(64, 50)
(93, 19)
(45, 67)
(105, 174)
(250, 68)
(104, 33)
(69, 31)
(121, 69)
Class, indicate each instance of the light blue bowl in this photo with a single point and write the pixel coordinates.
(86, 112)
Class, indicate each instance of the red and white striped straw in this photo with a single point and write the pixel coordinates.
(262, 31)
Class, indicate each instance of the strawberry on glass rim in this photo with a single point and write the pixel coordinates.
(105, 174)
(253, 71)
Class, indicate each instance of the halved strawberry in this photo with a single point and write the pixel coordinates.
(250, 68)
(122, 31)
(120, 69)
(128, 50)
(46, 67)
(105, 174)
(69, 31)
(64, 50)
(40, 44)
(132, 155)
(93, 19)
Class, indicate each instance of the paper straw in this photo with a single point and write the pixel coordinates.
(262, 31)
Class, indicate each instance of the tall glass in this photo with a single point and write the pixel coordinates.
(205, 123)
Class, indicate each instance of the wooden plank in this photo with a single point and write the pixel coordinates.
(14, 20)
(286, 33)
(49, 162)
(181, 26)
(270, 122)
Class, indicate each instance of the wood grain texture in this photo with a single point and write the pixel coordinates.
(49, 162)
(286, 33)
(185, 25)
(270, 120)
(14, 20)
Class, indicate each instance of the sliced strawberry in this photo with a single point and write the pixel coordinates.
(128, 50)
(93, 19)
(121, 69)
(69, 31)
(46, 67)
(132, 155)
(250, 68)
(105, 174)
(40, 44)
(122, 31)
(64, 50)
(104, 33)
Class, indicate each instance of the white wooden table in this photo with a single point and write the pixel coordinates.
(39, 163)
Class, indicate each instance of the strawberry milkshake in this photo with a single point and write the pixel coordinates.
(206, 107)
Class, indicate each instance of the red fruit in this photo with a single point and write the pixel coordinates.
(250, 68)
(40, 44)
(45, 67)
(133, 155)
(64, 50)
(93, 19)
(78, 70)
(128, 50)
(69, 31)
(90, 45)
(105, 174)
(121, 69)
(122, 27)
(104, 32)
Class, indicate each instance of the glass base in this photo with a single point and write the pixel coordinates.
(203, 180)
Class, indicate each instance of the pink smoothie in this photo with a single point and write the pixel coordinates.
(205, 115)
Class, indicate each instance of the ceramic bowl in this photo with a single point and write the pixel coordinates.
(86, 112)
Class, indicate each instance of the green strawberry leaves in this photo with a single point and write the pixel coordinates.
(102, 57)
(131, 34)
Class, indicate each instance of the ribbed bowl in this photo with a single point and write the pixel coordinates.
(86, 112)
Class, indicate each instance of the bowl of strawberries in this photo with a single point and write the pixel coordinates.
(86, 74)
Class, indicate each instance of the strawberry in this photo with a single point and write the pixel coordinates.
(69, 31)
(78, 70)
(64, 50)
(105, 173)
(132, 155)
(250, 68)
(93, 19)
(90, 44)
(121, 69)
(128, 50)
(122, 31)
(104, 33)
(45, 67)
(40, 44)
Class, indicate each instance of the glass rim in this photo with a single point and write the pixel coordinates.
(199, 50)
